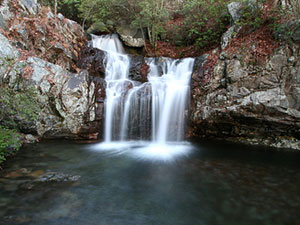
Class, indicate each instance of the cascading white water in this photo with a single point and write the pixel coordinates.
(170, 91)
(135, 111)
(116, 76)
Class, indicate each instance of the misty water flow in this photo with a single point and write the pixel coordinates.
(147, 117)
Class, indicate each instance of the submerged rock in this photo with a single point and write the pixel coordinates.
(47, 179)
(57, 177)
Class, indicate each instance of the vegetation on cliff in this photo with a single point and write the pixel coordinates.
(183, 28)
(19, 111)
(10, 142)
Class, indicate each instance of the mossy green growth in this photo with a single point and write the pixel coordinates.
(10, 142)
(18, 107)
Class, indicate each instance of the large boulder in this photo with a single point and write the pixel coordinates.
(131, 37)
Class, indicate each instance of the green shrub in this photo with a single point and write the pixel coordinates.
(18, 107)
(206, 21)
(9, 142)
(252, 16)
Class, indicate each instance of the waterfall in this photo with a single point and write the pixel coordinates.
(155, 110)
(170, 91)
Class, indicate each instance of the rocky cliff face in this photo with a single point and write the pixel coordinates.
(250, 103)
(38, 55)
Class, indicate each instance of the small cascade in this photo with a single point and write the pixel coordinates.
(170, 82)
(155, 110)
(116, 77)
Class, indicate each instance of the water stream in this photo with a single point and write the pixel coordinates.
(136, 112)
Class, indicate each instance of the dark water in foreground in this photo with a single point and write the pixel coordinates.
(213, 185)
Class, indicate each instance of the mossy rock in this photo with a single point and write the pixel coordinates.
(10, 142)
(19, 109)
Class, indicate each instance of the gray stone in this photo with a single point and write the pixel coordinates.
(291, 59)
(57, 177)
(29, 139)
(229, 35)
(2, 22)
(277, 62)
(234, 10)
(60, 16)
(131, 37)
(6, 49)
(235, 71)
(5, 11)
(31, 6)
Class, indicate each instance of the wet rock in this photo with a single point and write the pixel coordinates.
(144, 71)
(92, 60)
(97, 28)
(29, 139)
(198, 70)
(136, 63)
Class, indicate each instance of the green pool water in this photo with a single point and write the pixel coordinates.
(213, 184)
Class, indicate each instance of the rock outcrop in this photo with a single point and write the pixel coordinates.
(241, 99)
(38, 62)
(256, 104)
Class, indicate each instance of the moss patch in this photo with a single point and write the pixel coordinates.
(18, 107)
(10, 142)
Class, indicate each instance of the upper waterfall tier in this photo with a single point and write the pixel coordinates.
(108, 43)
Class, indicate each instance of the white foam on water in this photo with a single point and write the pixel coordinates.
(146, 151)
